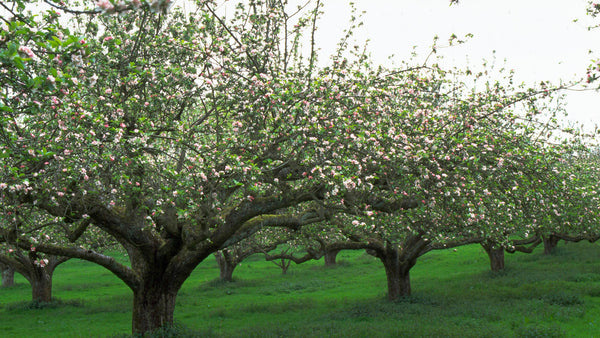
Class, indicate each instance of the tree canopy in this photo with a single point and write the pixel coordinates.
(179, 134)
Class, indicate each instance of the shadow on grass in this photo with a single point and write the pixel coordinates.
(37, 305)
(114, 304)
(223, 284)
(301, 304)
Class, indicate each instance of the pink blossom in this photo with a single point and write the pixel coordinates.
(349, 184)
(105, 5)
(93, 79)
(26, 50)
(61, 125)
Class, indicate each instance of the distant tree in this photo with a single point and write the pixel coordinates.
(38, 271)
(8, 275)
(576, 204)
(291, 252)
(474, 161)
(39, 229)
(495, 251)
(261, 242)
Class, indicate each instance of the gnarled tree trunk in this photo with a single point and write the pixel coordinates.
(330, 257)
(8, 276)
(153, 308)
(397, 271)
(398, 280)
(38, 273)
(41, 284)
(550, 243)
(496, 255)
(226, 266)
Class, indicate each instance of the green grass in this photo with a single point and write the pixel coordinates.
(454, 295)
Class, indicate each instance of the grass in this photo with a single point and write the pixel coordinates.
(454, 295)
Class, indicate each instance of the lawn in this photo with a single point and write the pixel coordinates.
(454, 295)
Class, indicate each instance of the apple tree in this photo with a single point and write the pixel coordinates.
(176, 135)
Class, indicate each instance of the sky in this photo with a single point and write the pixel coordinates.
(538, 38)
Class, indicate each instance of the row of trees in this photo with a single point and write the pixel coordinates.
(176, 136)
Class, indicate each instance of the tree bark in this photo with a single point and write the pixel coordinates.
(41, 284)
(153, 308)
(8, 276)
(397, 273)
(496, 255)
(226, 267)
(398, 281)
(330, 257)
(550, 243)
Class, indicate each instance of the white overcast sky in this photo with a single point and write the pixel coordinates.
(538, 38)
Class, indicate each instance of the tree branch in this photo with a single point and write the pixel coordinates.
(122, 271)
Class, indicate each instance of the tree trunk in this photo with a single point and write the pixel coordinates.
(226, 272)
(496, 255)
(41, 285)
(285, 265)
(397, 273)
(550, 243)
(398, 281)
(330, 257)
(153, 308)
(8, 276)
(226, 267)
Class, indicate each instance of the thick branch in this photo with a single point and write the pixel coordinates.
(293, 222)
(116, 222)
(454, 243)
(521, 245)
(298, 260)
(577, 238)
(237, 217)
(81, 228)
(122, 271)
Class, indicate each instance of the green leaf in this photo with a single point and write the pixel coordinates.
(18, 63)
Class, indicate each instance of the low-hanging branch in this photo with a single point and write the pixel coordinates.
(521, 245)
(122, 271)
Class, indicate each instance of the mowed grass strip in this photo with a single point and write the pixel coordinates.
(454, 295)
